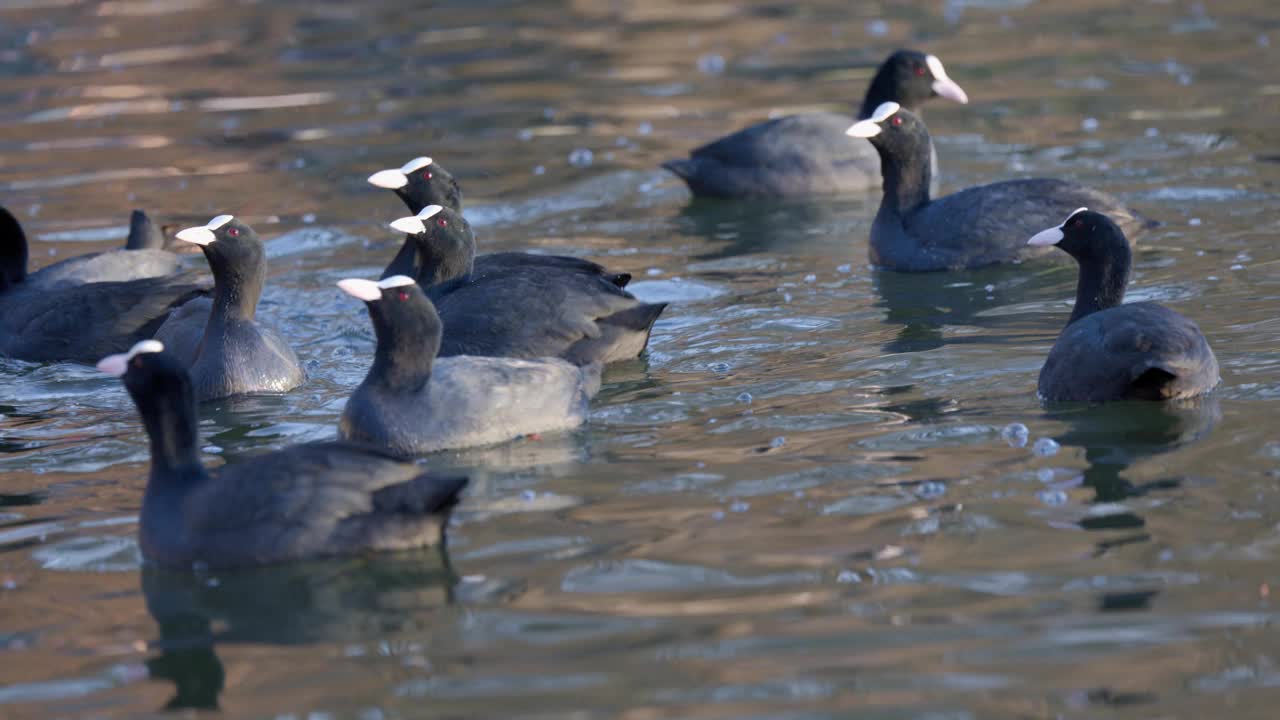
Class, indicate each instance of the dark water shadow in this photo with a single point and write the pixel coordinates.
(733, 228)
(924, 304)
(1117, 435)
(296, 604)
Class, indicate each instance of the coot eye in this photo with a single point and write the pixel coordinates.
(897, 121)
(426, 174)
(1077, 223)
(403, 295)
(442, 222)
(233, 232)
(137, 362)
(920, 70)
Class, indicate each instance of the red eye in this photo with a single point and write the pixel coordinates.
(137, 362)
(1077, 223)
(897, 121)
(920, 70)
(442, 222)
(426, 174)
(233, 232)
(403, 295)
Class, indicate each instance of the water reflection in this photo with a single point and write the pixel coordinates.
(349, 601)
(926, 304)
(1117, 435)
(734, 229)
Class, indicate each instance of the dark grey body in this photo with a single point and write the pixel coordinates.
(471, 401)
(1138, 351)
(985, 225)
(307, 501)
(82, 323)
(792, 156)
(142, 257)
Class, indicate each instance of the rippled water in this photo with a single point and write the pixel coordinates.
(801, 503)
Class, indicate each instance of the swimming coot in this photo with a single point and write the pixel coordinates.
(421, 183)
(143, 256)
(307, 501)
(228, 351)
(809, 154)
(413, 403)
(981, 225)
(1110, 351)
(526, 310)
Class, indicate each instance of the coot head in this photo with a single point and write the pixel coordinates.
(405, 323)
(894, 131)
(147, 370)
(1087, 236)
(445, 243)
(419, 183)
(13, 251)
(913, 77)
(237, 258)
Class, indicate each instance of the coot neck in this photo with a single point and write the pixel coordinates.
(1102, 282)
(906, 179)
(237, 286)
(405, 262)
(172, 425)
(407, 346)
(440, 260)
(13, 252)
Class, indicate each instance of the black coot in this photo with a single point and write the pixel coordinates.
(981, 225)
(143, 256)
(522, 310)
(228, 351)
(413, 403)
(422, 182)
(77, 322)
(306, 501)
(1110, 351)
(809, 154)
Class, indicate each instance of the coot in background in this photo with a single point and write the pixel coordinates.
(809, 154)
(981, 225)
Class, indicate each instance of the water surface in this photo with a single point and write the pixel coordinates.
(800, 503)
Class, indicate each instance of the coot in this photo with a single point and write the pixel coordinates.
(307, 501)
(809, 154)
(142, 257)
(1110, 351)
(421, 183)
(981, 225)
(526, 310)
(413, 403)
(228, 351)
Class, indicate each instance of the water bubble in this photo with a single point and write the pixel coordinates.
(720, 367)
(1089, 124)
(621, 142)
(1237, 266)
(525, 134)
(539, 170)
(848, 577)
(711, 63)
(786, 297)
(644, 128)
(744, 397)
(529, 495)
(990, 288)
(1016, 434)
(1194, 222)
(1184, 79)
(653, 272)
(1212, 278)
(877, 28)
(309, 218)
(931, 489)
(1045, 447)
(810, 278)
(845, 268)
(1045, 475)
(1153, 132)
(549, 113)
(717, 515)
(581, 157)
(1053, 498)
(212, 582)
(778, 442)
(740, 506)
(797, 494)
